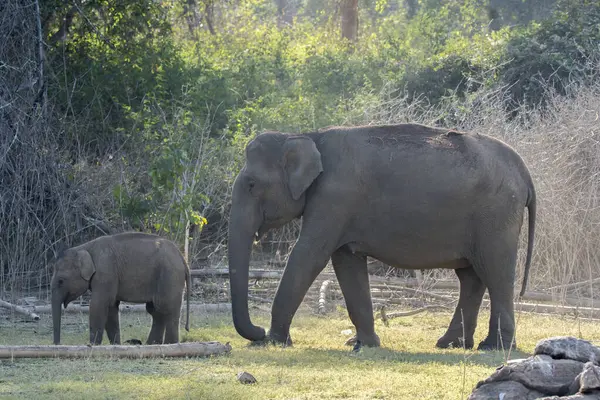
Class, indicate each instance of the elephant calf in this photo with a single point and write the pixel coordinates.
(132, 267)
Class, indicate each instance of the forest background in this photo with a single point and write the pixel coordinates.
(133, 115)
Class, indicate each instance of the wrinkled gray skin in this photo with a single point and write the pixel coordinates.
(409, 195)
(132, 267)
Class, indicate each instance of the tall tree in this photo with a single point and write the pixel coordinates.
(349, 11)
(286, 9)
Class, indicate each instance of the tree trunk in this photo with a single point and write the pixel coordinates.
(286, 10)
(188, 349)
(209, 16)
(411, 8)
(349, 11)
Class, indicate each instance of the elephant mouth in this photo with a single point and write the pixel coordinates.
(69, 298)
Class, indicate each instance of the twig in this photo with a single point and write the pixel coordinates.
(19, 310)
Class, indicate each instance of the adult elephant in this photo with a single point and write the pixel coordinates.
(409, 195)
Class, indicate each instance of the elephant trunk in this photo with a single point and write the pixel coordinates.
(242, 228)
(57, 300)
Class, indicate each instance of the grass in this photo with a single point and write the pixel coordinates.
(319, 366)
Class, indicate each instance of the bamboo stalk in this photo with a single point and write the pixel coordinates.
(19, 310)
(323, 296)
(187, 349)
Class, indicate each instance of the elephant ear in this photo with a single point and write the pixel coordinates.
(302, 164)
(86, 264)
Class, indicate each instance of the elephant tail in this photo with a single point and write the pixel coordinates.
(531, 227)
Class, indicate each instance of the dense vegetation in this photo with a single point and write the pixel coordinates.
(132, 115)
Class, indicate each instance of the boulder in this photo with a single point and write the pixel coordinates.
(589, 379)
(506, 390)
(540, 373)
(246, 378)
(562, 368)
(569, 347)
(578, 396)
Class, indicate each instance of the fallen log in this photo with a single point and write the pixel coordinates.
(19, 310)
(386, 316)
(404, 284)
(554, 309)
(259, 299)
(187, 349)
(76, 308)
(570, 301)
(224, 272)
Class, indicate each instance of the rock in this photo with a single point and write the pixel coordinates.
(568, 347)
(589, 379)
(245, 378)
(577, 396)
(504, 391)
(541, 373)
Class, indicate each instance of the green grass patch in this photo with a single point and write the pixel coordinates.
(319, 366)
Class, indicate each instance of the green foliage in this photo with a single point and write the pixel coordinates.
(554, 53)
(135, 76)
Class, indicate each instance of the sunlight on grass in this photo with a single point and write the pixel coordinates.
(319, 366)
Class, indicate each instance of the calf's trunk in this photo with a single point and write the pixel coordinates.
(56, 315)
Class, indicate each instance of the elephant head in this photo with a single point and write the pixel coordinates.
(73, 272)
(269, 191)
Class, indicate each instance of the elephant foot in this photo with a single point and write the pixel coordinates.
(283, 340)
(495, 344)
(453, 341)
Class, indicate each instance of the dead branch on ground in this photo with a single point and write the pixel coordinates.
(19, 310)
(188, 349)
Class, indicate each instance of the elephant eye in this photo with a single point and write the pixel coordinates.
(251, 184)
(60, 282)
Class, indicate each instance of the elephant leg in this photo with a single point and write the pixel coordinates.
(113, 330)
(308, 258)
(98, 316)
(467, 309)
(171, 328)
(157, 332)
(352, 275)
(497, 271)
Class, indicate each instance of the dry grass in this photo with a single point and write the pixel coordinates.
(46, 203)
(319, 366)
